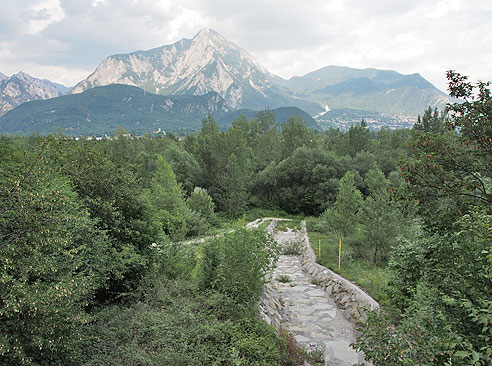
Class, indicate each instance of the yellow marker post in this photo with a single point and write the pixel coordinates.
(319, 248)
(339, 254)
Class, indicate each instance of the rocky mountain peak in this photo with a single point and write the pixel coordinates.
(207, 62)
(23, 76)
(21, 88)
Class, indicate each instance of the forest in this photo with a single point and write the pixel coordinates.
(99, 265)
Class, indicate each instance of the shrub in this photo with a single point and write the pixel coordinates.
(284, 279)
(236, 264)
(293, 248)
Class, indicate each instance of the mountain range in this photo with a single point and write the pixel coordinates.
(210, 66)
(209, 62)
(100, 110)
(21, 87)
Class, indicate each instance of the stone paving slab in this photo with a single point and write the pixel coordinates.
(313, 318)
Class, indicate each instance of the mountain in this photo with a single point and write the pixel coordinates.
(281, 114)
(100, 110)
(207, 62)
(382, 91)
(21, 88)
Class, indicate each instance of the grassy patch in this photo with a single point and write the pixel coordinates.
(284, 279)
(293, 224)
(373, 279)
(293, 248)
(264, 224)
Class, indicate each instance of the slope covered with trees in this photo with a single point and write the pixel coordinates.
(94, 258)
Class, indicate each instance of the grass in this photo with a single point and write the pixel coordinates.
(373, 279)
(293, 224)
(265, 224)
(284, 279)
(293, 248)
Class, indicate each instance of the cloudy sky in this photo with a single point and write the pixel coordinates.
(65, 40)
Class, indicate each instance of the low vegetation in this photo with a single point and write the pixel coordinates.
(370, 277)
(284, 279)
(93, 269)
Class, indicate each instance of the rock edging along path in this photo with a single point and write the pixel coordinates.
(306, 309)
(351, 299)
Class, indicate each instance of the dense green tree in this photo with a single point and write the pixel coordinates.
(343, 217)
(307, 181)
(201, 203)
(53, 259)
(442, 284)
(431, 121)
(112, 195)
(295, 134)
(450, 173)
(358, 139)
(267, 144)
(381, 219)
(208, 149)
(167, 202)
(184, 166)
(234, 185)
(442, 278)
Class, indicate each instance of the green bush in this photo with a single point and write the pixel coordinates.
(284, 279)
(178, 325)
(201, 202)
(236, 264)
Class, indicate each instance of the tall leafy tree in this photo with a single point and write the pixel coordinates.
(112, 196)
(295, 134)
(381, 218)
(358, 138)
(450, 173)
(431, 121)
(201, 202)
(166, 198)
(442, 277)
(343, 217)
(53, 259)
(234, 185)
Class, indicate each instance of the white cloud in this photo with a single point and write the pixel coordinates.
(286, 36)
(41, 15)
(184, 22)
(96, 3)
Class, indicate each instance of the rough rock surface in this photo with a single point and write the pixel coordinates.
(312, 317)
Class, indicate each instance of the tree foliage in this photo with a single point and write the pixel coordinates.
(442, 278)
(53, 260)
(431, 121)
(343, 216)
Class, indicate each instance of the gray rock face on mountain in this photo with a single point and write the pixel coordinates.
(21, 88)
(207, 62)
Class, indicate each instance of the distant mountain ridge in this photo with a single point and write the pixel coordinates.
(382, 91)
(209, 62)
(21, 87)
(208, 65)
(100, 110)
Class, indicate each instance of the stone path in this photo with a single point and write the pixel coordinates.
(310, 315)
